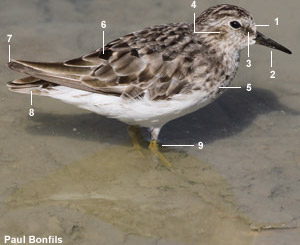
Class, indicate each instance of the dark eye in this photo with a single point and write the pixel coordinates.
(235, 24)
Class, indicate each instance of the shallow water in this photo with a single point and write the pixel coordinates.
(72, 173)
(140, 197)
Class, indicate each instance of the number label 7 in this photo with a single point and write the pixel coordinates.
(9, 37)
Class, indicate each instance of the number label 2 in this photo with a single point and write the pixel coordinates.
(272, 74)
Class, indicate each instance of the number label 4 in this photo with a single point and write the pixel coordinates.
(194, 5)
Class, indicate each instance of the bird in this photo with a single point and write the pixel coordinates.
(151, 76)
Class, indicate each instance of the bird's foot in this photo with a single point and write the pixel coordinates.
(153, 146)
(134, 134)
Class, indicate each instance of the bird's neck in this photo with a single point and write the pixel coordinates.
(227, 57)
(216, 45)
(217, 63)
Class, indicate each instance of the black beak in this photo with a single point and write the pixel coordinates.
(263, 40)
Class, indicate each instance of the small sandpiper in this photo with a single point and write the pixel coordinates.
(152, 76)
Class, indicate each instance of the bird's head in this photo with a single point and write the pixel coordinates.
(236, 29)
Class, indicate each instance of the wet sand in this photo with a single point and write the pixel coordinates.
(71, 173)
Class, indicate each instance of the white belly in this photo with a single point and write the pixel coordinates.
(140, 112)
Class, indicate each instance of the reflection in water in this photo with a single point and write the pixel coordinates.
(190, 202)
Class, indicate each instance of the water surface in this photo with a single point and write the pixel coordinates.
(74, 174)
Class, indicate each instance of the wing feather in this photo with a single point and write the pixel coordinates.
(147, 62)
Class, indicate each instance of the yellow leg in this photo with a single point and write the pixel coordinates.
(153, 146)
(133, 133)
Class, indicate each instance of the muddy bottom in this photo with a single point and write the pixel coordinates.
(134, 192)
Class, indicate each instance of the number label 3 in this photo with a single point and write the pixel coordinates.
(248, 63)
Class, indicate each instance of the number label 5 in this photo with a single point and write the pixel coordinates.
(249, 87)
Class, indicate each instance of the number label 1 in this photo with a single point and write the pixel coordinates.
(249, 63)
(9, 37)
(194, 5)
(249, 87)
(200, 145)
(272, 74)
(31, 112)
(276, 21)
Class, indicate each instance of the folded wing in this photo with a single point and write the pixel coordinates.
(142, 63)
